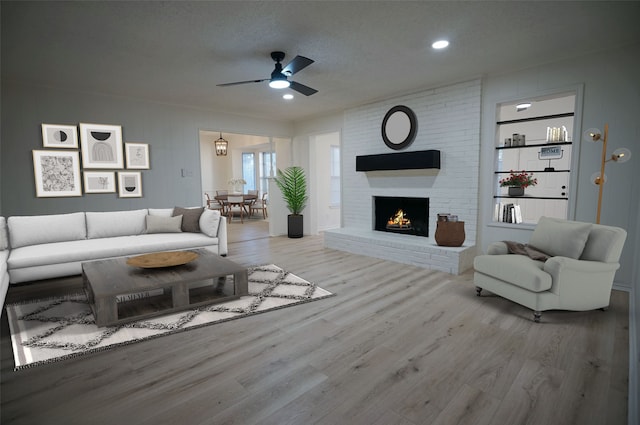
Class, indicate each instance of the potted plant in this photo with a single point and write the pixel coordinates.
(517, 182)
(293, 185)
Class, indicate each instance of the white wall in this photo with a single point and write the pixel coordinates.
(324, 216)
(449, 121)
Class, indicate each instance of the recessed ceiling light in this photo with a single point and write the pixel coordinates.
(522, 106)
(287, 96)
(440, 44)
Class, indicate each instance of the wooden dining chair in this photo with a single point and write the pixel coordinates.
(261, 204)
(235, 203)
(248, 202)
(214, 204)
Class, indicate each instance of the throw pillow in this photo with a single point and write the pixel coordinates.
(157, 224)
(209, 222)
(558, 237)
(190, 218)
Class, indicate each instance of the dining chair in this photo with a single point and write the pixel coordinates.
(261, 204)
(248, 202)
(214, 204)
(222, 192)
(235, 204)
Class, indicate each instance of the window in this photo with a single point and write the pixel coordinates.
(267, 169)
(334, 184)
(249, 170)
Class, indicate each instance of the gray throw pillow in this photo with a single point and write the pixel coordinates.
(157, 224)
(190, 218)
(560, 237)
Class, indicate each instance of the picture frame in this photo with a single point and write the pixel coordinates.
(101, 146)
(57, 173)
(59, 136)
(99, 181)
(129, 184)
(137, 156)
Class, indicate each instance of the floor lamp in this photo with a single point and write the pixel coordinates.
(620, 155)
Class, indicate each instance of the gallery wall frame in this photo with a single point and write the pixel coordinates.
(137, 156)
(101, 146)
(129, 184)
(99, 181)
(57, 173)
(59, 136)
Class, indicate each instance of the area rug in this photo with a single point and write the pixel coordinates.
(51, 330)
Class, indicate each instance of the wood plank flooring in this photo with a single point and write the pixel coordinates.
(397, 345)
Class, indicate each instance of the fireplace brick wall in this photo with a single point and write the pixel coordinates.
(448, 120)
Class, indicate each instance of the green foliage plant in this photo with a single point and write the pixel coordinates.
(292, 183)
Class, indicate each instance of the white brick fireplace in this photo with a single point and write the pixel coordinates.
(448, 121)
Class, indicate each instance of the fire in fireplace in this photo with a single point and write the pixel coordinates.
(409, 216)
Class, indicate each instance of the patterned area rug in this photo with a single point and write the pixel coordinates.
(51, 330)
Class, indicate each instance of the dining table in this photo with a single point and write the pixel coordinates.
(226, 206)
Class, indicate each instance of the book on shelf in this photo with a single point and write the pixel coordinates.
(507, 213)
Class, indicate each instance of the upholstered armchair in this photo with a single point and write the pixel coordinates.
(577, 276)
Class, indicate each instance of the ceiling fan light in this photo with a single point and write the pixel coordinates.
(279, 83)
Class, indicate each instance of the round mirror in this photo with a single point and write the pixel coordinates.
(399, 127)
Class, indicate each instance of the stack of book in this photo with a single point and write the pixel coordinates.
(507, 213)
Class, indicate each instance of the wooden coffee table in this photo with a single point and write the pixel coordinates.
(120, 293)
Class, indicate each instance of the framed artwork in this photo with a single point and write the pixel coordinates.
(101, 146)
(99, 182)
(57, 173)
(130, 184)
(137, 155)
(59, 136)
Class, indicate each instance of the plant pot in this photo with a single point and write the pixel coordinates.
(295, 225)
(516, 191)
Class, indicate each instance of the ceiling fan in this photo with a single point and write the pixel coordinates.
(279, 76)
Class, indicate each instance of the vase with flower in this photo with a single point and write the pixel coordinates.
(237, 184)
(517, 182)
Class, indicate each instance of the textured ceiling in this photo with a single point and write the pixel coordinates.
(176, 52)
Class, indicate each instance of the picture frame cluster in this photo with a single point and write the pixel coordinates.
(57, 167)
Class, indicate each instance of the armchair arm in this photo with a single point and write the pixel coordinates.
(497, 248)
(581, 284)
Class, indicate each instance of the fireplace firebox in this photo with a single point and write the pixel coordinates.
(409, 216)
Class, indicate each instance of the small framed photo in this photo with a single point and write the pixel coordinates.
(99, 182)
(129, 184)
(59, 136)
(57, 173)
(137, 155)
(101, 146)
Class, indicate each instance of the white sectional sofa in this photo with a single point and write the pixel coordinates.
(48, 246)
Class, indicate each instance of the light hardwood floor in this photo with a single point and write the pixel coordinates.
(396, 345)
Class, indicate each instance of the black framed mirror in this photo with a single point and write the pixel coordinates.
(399, 127)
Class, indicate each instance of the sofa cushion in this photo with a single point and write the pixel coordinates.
(604, 244)
(95, 249)
(4, 236)
(190, 218)
(39, 229)
(158, 224)
(209, 222)
(115, 223)
(515, 269)
(560, 237)
(161, 212)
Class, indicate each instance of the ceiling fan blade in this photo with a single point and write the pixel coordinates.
(297, 64)
(301, 88)
(241, 82)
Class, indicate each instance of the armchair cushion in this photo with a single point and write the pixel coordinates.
(518, 270)
(560, 237)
